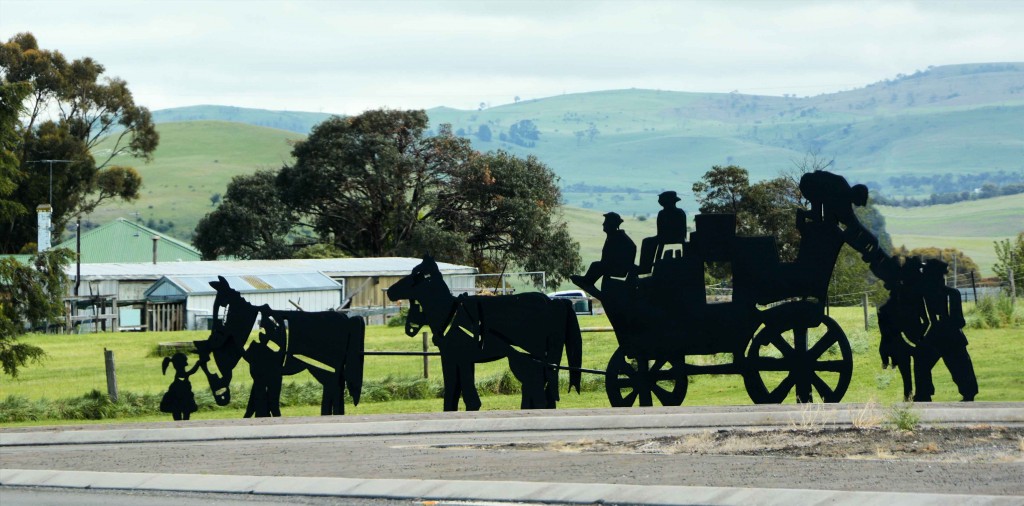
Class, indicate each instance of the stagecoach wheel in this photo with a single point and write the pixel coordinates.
(781, 360)
(629, 381)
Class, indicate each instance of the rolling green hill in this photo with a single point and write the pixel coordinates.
(194, 161)
(615, 150)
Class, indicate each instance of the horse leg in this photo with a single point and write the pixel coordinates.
(531, 378)
(903, 363)
(467, 380)
(274, 395)
(451, 383)
(330, 382)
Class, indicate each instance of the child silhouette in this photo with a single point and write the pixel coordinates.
(179, 400)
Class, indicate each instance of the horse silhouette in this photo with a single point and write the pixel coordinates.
(328, 344)
(529, 329)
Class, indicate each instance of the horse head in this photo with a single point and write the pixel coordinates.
(425, 289)
(226, 339)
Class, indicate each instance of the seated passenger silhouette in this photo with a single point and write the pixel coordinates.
(616, 256)
(671, 230)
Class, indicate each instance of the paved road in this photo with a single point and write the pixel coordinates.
(433, 455)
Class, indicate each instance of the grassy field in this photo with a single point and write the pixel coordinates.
(971, 226)
(194, 161)
(74, 367)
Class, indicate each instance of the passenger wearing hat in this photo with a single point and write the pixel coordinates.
(616, 256)
(671, 230)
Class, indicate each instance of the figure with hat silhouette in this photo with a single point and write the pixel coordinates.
(671, 230)
(616, 256)
(945, 338)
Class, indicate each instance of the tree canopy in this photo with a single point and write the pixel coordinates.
(1010, 256)
(377, 185)
(31, 294)
(55, 109)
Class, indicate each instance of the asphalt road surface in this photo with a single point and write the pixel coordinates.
(540, 447)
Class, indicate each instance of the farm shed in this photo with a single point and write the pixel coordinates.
(186, 302)
(126, 241)
(363, 279)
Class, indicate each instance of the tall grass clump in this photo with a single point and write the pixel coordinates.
(994, 312)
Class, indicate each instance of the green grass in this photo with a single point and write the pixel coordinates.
(74, 367)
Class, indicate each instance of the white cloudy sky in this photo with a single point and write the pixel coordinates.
(345, 57)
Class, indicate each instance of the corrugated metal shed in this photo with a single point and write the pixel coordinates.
(181, 287)
(125, 241)
(333, 267)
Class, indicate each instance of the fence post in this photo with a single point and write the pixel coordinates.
(974, 288)
(865, 310)
(426, 358)
(1013, 286)
(108, 360)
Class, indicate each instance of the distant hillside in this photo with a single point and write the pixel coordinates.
(195, 161)
(951, 119)
(299, 122)
(615, 150)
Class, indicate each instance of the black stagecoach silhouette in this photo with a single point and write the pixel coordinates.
(775, 325)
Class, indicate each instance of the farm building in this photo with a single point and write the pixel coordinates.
(362, 280)
(126, 241)
(176, 302)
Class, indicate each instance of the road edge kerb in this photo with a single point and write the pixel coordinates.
(464, 490)
(817, 417)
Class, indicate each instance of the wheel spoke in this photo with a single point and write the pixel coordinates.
(630, 399)
(781, 344)
(771, 364)
(822, 345)
(665, 397)
(823, 389)
(657, 365)
(783, 388)
(832, 365)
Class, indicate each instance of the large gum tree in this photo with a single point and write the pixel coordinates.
(68, 111)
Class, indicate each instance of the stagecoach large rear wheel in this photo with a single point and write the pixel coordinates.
(629, 381)
(785, 358)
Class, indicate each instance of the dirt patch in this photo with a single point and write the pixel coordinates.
(949, 444)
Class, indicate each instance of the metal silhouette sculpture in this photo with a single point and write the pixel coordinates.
(774, 326)
(328, 344)
(179, 400)
(529, 329)
(921, 322)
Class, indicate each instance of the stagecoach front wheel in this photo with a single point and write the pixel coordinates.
(785, 358)
(631, 380)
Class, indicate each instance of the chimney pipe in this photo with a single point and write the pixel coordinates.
(155, 239)
(44, 226)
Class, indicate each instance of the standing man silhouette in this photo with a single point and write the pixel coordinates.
(945, 337)
(671, 230)
(616, 256)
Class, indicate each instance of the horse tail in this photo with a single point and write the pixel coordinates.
(573, 346)
(354, 357)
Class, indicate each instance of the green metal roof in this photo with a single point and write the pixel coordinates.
(124, 241)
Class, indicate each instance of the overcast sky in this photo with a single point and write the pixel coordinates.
(346, 57)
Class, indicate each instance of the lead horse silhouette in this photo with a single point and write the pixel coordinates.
(530, 329)
(327, 344)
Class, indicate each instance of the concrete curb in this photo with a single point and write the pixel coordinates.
(340, 428)
(458, 490)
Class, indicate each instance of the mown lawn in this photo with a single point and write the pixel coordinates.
(74, 366)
